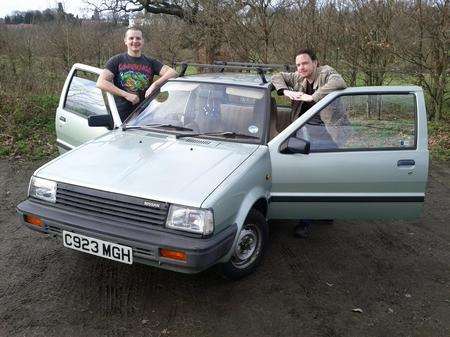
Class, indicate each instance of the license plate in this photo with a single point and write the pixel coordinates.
(98, 247)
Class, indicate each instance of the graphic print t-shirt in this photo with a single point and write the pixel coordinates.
(134, 75)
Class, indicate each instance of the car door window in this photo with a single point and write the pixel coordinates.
(363, 122)
(83, 97)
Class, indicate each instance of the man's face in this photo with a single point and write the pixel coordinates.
(134, 41)
(305, 66)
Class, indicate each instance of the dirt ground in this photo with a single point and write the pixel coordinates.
(397, 273)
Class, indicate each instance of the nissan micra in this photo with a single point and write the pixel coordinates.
(192, 177)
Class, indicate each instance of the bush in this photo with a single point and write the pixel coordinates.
(439, 140)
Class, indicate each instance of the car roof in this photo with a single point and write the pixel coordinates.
(247, 79)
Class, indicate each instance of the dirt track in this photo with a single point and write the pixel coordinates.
(398, 273)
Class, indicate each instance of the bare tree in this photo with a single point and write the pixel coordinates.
(172, 46)
(362, 39)
(257, 19)
(206, 28)
(370, 29)
(423, 42)
(186, 10)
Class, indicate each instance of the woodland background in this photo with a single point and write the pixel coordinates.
(370, 42)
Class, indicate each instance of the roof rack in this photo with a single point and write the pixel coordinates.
(270, 66)
(261, 69)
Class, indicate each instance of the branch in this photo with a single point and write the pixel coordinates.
(163, 7)
(132, 6)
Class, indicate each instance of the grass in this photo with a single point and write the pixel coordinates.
(27, 126)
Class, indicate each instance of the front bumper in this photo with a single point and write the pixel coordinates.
(201, 252)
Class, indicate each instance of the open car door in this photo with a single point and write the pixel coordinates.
(80, 99)
(365, 157)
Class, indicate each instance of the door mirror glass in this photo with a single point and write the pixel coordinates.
(101, 120)
(295, 145)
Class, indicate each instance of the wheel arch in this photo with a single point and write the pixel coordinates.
(262, 206)
(256, 198)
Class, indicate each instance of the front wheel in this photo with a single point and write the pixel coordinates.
(250, 247)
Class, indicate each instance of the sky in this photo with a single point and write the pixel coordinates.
(70, 6)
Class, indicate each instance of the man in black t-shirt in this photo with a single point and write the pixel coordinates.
(129, 76)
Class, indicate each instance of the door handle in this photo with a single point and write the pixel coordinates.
(406, 162)
(62, 119)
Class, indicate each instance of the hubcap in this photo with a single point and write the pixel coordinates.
(247, 247)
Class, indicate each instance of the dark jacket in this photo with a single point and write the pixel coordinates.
(326, 80)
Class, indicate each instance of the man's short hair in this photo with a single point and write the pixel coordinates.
(133, 28)
(310, 52)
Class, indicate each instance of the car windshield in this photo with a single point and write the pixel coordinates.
(205, 110)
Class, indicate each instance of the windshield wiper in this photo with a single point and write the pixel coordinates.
(156, 125)
(225, 134)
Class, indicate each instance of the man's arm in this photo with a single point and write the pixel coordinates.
(282, 82)
(334, 82)
(105, 83)
(165, 74)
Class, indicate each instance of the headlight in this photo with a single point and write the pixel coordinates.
(195, 220)
(42, 189)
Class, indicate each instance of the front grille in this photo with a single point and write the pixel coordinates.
(111, 206)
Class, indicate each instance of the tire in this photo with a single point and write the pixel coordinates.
(250, 247)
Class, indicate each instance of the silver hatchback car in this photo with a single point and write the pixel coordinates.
(191, 178)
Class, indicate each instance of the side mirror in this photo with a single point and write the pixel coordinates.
(295, 145)
(101, 120)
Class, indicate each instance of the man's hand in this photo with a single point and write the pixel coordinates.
(132, 98)
(165, 74)
(297, 96)
(293, 95)
(151, 89)
(306, 98)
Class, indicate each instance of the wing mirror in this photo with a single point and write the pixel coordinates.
(101, 120)
(295, 145)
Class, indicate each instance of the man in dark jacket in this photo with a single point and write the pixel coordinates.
(305, 87)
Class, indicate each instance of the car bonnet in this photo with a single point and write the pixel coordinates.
(150, 165)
